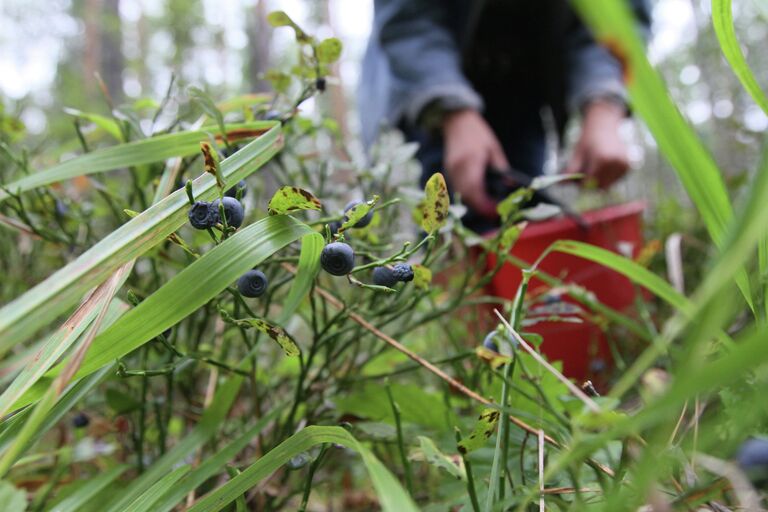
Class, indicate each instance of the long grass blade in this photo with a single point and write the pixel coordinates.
(145, 151)
(392, 496)
(614, 26)
(78, 499)
(722, 20)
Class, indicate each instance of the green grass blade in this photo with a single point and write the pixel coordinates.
(309, 266)
(722, 20)
(54, 348)
(91, 488)
(145, 151)
(212, 465)
(23, 317)
(392, 496)
(148, 499)
(614, 26)
(186, 292)
(207, 427)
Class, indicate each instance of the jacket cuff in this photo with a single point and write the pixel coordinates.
(445, 97)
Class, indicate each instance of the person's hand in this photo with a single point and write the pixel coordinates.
(600, 153)
(470, 147)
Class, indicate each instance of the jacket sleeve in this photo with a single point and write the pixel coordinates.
(592, 71)
(423, 57)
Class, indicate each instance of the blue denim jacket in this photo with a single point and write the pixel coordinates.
(414, 57)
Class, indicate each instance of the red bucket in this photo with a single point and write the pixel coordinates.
(582, 348)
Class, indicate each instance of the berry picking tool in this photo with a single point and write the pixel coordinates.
(510, 178)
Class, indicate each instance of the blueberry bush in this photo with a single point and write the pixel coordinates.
(233, 314)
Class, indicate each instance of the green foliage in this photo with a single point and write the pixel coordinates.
(198, 394)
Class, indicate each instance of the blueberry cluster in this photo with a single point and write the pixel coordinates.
(204, 215)
(386, 276)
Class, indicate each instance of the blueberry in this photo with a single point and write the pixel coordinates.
(202, 215)
(81, 420)
(403, 272)
(298, 461)
(272, 115)
(362, 222)
(231, 150)
(383, 276)
(232, 192)
(489, 343)
(233, 210)
(337, 258)
(320, 84)
(753, 454)
(253, 283)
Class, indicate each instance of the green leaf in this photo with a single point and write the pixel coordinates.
(356, 213)
(392, 496)
(145, 151)
(280, 81)
(91, 488)
(509, 237)
(208, 106)
(280, 19)
(120, 402)
(207, 427)
(432, 455)
(722, 20)
(434, 210)
(187, 291)
(329, 50)
(107, 124)
(62, 290)
(422, 276)
(416, 405)
(291, 199)
(13, 499)
(277, 334)
(486, 426)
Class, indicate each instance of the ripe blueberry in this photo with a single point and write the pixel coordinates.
(362, 222)
(337, 258)
(231, 150)
(334, 226)
(383, 276)
(81, 420)
(489, 343)
(753, 454)
(232, 192)
(298, 461)
(233, 210)
(320, 84)
(202, 215)
(403, 272)
(253, 283)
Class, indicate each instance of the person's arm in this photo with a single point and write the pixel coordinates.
(430, 88)
(423, 56)
(596, 89)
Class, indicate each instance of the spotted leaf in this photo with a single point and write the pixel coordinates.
(434, 211)
(484, 429)
(291, 199)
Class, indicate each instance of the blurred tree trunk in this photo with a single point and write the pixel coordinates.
(259, 43)
(337, 102)
(112, 59)
(91, 52)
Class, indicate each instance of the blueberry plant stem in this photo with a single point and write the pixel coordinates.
(400, 442)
